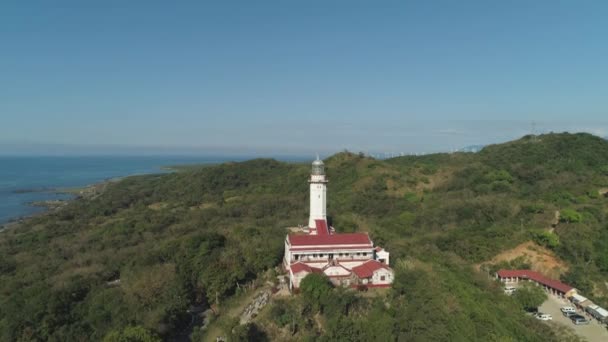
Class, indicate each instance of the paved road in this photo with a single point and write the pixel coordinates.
(592, 332)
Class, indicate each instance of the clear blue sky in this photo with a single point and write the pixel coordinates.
(299, 76)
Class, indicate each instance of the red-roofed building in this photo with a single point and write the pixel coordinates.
(553, 286)
(299, 270)
(334, 254)
(374, 272)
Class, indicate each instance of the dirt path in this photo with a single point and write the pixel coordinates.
(231, 310)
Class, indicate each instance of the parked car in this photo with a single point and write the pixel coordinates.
(565, 309)
(543, 316)
(570, 314)
(510, 290)
(578, 319)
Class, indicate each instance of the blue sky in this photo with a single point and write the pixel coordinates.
(298, 76)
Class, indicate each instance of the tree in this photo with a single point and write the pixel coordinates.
(248, 332)
(131, 334)
(315, 288)
(529, 296)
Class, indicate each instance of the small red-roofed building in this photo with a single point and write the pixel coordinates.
(555, 287)
(323, 250)
(373, 272)
(299, 270)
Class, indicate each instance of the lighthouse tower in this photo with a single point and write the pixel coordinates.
(318, 195)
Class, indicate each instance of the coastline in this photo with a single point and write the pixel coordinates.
(87, 191)
(78, 193)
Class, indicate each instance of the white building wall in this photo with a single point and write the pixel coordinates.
(318, 200)
(383, 255)
(336, 271)
(296, 278)
(378, 274)
(347, 255)
(287, 256)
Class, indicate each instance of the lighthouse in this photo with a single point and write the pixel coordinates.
(318, 195)
(347, 259)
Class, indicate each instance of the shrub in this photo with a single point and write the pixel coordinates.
(570, 216)
(546, 239)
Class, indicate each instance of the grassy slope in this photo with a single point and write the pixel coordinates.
(190, 237)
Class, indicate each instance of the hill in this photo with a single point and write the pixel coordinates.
(149, 248)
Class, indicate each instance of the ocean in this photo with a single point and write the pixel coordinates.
(27, 179)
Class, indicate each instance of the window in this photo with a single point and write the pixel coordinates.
(383, 278)
(297, 257)
(320, 255)
(314, 255)
(364, 254)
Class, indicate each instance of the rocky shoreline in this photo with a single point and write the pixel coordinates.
(50, 204)
(77, 193)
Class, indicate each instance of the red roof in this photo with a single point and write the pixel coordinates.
(331, 248)
(537, 277)
(322, 227)
(328, 240)
(299, 267)
(366, 270)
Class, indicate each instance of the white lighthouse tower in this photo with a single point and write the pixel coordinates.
(318, 195)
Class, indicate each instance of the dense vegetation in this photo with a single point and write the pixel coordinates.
(132, 261)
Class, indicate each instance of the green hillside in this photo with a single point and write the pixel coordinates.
(144, 251)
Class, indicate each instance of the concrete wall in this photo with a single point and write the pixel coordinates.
(296, 278)
(378, 274)
(336, 271)
(383, 255)
(318, 200)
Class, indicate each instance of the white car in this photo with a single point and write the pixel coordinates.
(510, 290)
(567, 309)
(543, 316)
